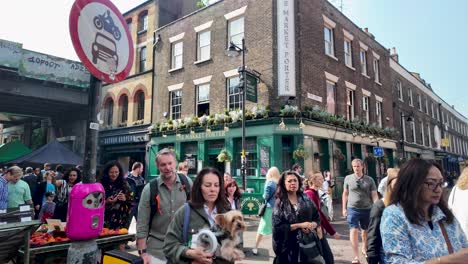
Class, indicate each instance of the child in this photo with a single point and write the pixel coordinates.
(48, 208)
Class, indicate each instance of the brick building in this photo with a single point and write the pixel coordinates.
(431, 129)
(127, 105)
(325, 81)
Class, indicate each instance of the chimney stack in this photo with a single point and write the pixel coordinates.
(394, 54)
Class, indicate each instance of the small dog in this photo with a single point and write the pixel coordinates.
(227, 231)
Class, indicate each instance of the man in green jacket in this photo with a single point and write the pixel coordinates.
(172, 196)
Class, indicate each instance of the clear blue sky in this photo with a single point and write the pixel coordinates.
(430, 37)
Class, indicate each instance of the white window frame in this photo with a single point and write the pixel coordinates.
(422, 133)
(376, 65)
(350, 104)
(410, 96)
(438, 114)
(205, 48)
(329, 44)
(142, 54)
(205, 100)
(327, 83)
(413, 131)
(400, 90)
(402, 123)
(427, 106)
(378, 113)
(365, 108)
(420, 102)
(348, 53)
(175, 115)
(237, 35)
(429, 134)
(363, 61)
(175, 57)
(239, 93)
(432, 110)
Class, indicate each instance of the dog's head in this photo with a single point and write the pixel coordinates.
(232, 222)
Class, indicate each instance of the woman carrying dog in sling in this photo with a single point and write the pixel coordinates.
(207, 204)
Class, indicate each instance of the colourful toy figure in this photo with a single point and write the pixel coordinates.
(85, 217)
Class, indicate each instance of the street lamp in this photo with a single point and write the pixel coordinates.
(402, 140)
(233, 51)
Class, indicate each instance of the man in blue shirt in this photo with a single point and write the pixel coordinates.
(13, 174)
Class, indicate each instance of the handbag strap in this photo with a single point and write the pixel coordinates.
(447, 240)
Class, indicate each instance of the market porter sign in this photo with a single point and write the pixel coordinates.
(286, 48)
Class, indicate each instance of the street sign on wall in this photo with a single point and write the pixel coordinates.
(101, 39)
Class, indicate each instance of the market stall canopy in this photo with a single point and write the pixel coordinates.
(53, 153)
(13, 150)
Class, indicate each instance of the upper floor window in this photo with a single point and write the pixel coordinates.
(413, 132)
(378, 113)
(429, 137)
(348, 53)
(350, 98)
(419, 102)
(423, 139)
(432, 110)
(236, 31)
(410, 96)
(177, 55)
(176, 104)
(108, 112)
(363, 59)
(331, 95)
(403, 125)
(140, 105)
(203, 99)
(143, 21)
(376, 70)
(427, 106)
(365, 109)
(142, 58)
(400, 90)
(203, 45)
(234, 94)
(123, 109)
(329, 41)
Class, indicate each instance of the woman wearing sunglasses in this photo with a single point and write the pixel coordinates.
(418, 227)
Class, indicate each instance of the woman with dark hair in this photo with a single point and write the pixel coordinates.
(233, 194)
(64, 186)
(418, 227)
(118, 196)
(207, 200)
(294, 215)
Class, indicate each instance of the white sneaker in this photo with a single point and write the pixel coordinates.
(255, 251)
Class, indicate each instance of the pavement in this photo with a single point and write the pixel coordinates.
(341, 248)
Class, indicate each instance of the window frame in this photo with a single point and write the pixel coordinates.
(142, 59)
(197, 99)
(174, 56)
(123, 109)
(378, 113)
(365, 108)
(140, 105)
(400, 91)
(233, 95)
(410, 96)
(175, 110)
(142, 22)
(331, 43)
(200, 48)
(376, 67)
(230, 37)
(363, 61)
(331, 84)
(348, 54)
(350, 104)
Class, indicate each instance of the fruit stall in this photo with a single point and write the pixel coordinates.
(46, 245)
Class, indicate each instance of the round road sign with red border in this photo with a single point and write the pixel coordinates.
(101, 39)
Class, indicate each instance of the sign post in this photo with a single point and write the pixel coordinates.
(251, 87)
(104, 45)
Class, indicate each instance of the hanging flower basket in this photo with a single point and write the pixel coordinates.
(224, 156)
(300, 153)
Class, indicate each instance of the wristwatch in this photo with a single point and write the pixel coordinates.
(141, 251)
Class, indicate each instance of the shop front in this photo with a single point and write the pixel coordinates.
(126, 145)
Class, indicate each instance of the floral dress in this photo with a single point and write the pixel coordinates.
(407, 243)
(117, 215)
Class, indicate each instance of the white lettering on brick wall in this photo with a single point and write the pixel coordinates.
(286, 48)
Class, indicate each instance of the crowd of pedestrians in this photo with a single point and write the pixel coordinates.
(412, 223)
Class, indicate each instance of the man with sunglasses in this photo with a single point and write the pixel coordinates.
(359, 193)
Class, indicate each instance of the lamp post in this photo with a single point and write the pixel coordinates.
(402, 140)
(234, 51)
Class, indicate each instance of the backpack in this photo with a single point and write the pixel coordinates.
(154, 191)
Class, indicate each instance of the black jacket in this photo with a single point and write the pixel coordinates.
(374, 240)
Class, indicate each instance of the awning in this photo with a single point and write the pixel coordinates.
(13, 150)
